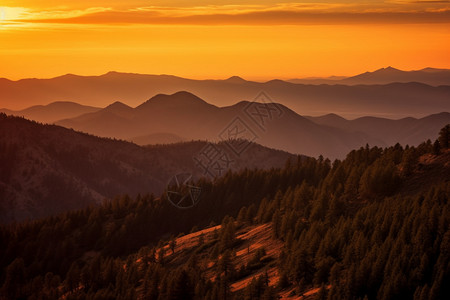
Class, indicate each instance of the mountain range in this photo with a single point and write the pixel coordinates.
(386, 93)
(97, 217)
(183, 116)
(166, 119)
(406, 131)
(47, 169)
(429, 76)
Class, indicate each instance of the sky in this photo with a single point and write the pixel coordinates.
(257, 40)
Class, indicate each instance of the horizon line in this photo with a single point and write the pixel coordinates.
(261, 79)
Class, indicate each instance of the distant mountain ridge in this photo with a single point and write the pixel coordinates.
(429, 76)
(165, 119)
(187, 117)
(389, 99)
(52, 112)
(406, 131)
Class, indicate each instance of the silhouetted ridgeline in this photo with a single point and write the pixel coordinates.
(383, 93)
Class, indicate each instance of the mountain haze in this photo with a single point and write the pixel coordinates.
(190, 118)
(406, 131)
(429, 76)
(386, 100)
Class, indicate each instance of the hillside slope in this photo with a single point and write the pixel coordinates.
(48, 169)
(366, 226)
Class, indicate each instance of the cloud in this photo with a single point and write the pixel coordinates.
(332, 12)
(57, 14)
(246, 17)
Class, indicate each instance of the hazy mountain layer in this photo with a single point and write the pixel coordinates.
(429, 76)
(388, 100)
(273, 125)
(52, 112)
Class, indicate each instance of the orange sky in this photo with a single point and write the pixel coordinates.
(217, 39)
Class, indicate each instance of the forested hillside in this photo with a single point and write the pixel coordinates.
(48, 169)
(373, 226)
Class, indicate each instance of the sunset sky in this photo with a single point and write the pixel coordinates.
(257, 40)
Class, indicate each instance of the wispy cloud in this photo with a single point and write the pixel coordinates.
(247, 17)
(332, 12)
(28, 14)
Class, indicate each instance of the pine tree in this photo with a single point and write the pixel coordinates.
(181, 288)
(73, 277)
(322, 295)
(15, 279)
(276, 224)
(225, 264)
(444, 137)
(436, 147)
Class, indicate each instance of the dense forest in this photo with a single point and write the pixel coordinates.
(372, 226)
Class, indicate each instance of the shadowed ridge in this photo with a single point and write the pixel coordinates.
(54, 111)
(182, 98)
(278, 82)
(330, 117)
(433, 70)
(444, 114)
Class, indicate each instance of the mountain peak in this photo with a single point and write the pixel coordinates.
(117, 105)
(119, 108)
(333, 116)
(181, 98)
(388, 69)
(236, 79)
(184, 94)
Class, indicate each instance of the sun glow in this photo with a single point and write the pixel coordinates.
(12, 13)
(12, 18)
(258, 40)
